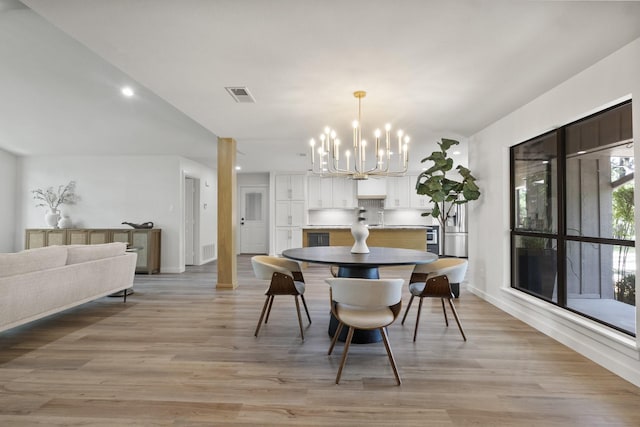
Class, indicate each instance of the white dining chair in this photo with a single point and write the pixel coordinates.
(365, 304)
(285, 278)
(454, 268)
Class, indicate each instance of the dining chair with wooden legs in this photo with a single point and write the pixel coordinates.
(365, 304)
(454, 268)
(432, 287)
(285, 279)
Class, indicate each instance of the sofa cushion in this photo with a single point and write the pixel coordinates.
(32, 260)
(83, 253)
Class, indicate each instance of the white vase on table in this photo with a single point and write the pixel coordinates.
(52, 217)
(360, 232)
(65, 222)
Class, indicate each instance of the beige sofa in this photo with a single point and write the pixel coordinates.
(38, 282)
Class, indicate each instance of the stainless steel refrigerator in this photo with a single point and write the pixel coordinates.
(455, 235)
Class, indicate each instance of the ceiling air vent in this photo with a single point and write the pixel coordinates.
(240, 94)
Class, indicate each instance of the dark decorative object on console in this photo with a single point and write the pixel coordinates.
(144, 225)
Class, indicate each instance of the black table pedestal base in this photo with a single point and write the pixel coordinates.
(359, 272)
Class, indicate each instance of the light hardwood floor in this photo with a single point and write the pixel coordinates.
(180, 352)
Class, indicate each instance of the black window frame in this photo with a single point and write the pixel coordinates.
(560, 234)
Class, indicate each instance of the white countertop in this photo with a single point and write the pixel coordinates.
(371, 227)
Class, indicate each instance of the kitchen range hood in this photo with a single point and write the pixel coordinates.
(372, 189)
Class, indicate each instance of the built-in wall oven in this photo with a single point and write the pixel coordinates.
(433, 239)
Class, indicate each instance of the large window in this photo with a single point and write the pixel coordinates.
(573, 234)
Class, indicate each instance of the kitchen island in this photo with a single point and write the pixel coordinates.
(391, 236)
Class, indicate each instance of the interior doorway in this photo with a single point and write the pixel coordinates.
(191, 218)
(253, 220)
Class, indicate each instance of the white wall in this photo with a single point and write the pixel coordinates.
(207, 181)
(114, 189)
(597, 87)
(253, 179)
(8, 180)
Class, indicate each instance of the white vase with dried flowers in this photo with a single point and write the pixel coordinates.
(52, 199)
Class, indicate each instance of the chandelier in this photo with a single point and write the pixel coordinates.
(355, 163)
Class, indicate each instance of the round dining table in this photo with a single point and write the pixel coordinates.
(365, 266)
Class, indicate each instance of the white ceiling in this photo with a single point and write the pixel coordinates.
(434, 68)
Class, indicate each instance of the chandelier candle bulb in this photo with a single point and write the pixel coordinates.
(364, 153)
(355, 133)
(406, 149)
(377, 135)
(400, 146)
(387, 129)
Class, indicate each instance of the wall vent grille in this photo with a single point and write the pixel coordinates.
(208, 251)
(240, 94)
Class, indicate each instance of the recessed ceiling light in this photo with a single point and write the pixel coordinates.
(127, 91)
(238, 168)
(456, 153)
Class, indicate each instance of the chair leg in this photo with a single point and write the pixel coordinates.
(385, 339)
(299, 317)
(334, 340)
(264, 309)
(415, 331)
(305, 307)
(344, 353)
(269, 310)
(455, 314)
(407, 310)
(446, 320)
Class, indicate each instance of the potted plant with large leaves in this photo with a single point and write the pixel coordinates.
(444, 191)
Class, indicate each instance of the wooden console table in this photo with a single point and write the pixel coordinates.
(148, 241)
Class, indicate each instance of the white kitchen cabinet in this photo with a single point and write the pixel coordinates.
(288, 237)
(416, 200)
(397, 192)
(344, 194)
(326, 193)
(289, 210)
(320, 192)
(290, 187)
(289, 214)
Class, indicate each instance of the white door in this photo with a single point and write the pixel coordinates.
(189, 221)
(253, 220)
